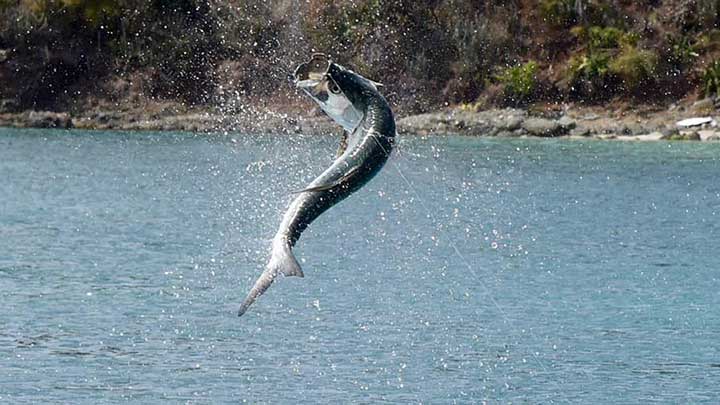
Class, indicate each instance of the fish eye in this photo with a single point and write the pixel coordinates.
(333, 87)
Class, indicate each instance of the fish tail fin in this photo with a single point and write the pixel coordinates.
(282, 261)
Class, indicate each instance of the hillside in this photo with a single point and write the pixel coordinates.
(194, 55)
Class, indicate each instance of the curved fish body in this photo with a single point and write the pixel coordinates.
(355, 103)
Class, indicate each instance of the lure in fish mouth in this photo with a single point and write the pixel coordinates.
(355, 103)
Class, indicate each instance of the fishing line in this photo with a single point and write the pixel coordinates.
(459, 254)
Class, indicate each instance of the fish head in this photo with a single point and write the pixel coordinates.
(340, 92)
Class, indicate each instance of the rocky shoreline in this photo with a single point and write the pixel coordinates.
(645, 124)
(571, 123)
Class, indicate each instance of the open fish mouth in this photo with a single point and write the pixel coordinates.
(307, 83)
(313, 72)
(315, 78)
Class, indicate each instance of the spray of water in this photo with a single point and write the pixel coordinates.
(460, 256)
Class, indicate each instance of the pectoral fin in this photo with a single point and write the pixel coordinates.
(330, 186)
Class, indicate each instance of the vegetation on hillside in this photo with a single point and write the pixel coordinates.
(69, 54)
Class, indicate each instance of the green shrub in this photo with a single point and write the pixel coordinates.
(519, 81)
(711, 79)
(609, 38)
(682, 51)
(634, 67)
(611, 57)
(565, 13)
(604, 37)
(589, 67)
(587, 76)
(558, 13)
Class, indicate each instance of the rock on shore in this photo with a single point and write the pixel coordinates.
(576, 122)
(37, 119)
(495, 122)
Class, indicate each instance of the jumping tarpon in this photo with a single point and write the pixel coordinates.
(369, 133)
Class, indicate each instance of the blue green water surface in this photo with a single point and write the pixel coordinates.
(469, 270)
